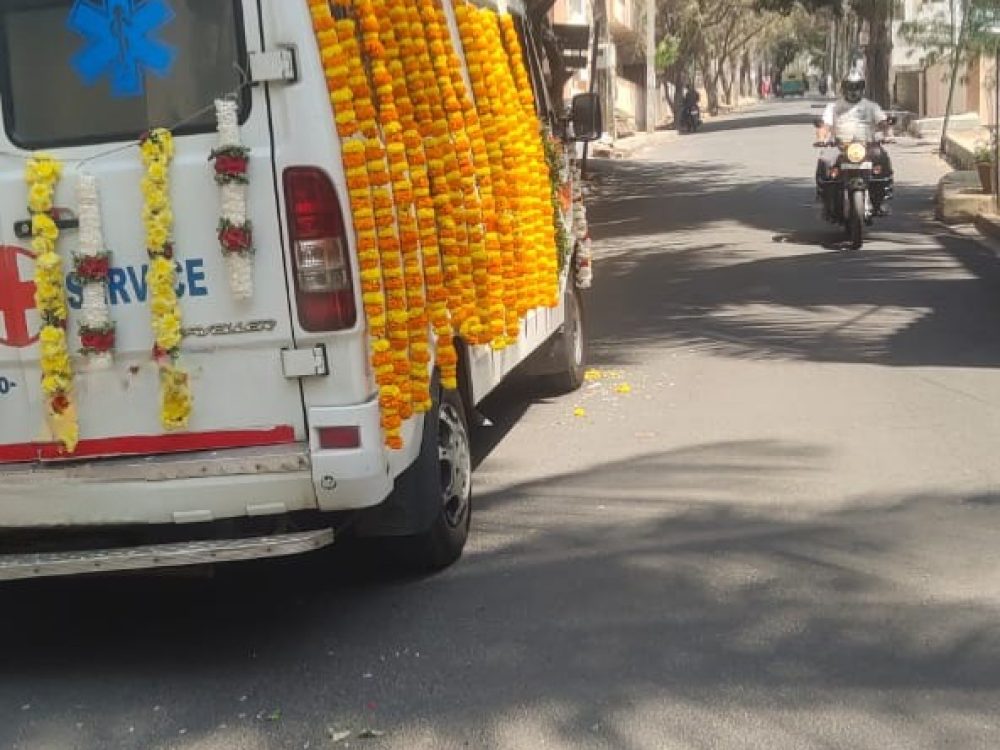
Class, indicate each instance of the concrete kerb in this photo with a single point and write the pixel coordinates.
(960, 198)
(628, 146)
(988, 226)
(960, 147)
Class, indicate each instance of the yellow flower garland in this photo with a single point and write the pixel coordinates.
(176, 400)
(548, 281)
(449, 196)
(518, 168)
(489, 155)
(42, 173)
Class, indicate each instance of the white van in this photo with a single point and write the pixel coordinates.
(284, 447)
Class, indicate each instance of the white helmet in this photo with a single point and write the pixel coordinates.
(853, 87)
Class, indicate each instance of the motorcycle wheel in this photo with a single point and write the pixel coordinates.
(856, 220)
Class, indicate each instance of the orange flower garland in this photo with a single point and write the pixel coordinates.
(473, 163)
(347, 82)
(408, 169)
(449, 198)
(445, 170)
(436, 211)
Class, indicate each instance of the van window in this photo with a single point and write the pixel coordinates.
(90, 71)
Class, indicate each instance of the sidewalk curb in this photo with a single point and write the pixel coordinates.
(959, 199)
(626, 148)
(988, 226)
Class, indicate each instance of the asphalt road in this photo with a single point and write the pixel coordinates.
(770, 521)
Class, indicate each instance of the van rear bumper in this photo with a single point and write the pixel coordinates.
(361, 477)
(212, 485)
(188, 488)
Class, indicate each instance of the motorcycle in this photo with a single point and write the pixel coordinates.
(691, 118)
(845, 188)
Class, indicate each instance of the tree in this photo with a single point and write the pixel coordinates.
(706, 37)
(876, 15)
(966, 34)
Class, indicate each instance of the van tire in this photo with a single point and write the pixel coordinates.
(570, 345)
(442, 476)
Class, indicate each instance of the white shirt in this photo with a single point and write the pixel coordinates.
(853, 121)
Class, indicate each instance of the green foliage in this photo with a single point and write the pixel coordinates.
(974, 24)
(785, 7)
(984, 154)
(668, 52)
(785, 51)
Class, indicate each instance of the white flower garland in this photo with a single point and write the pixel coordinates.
(581, 230)
(235, 231)
(97, 330)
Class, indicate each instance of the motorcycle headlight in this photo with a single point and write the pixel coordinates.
(856, 153)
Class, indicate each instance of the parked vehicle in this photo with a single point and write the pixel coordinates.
(792, 86)
(286, 441)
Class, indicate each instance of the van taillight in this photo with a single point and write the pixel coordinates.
(324, 290)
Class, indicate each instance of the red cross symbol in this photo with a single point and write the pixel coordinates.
(17, 297)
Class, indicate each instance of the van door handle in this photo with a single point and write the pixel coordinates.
(63, 217)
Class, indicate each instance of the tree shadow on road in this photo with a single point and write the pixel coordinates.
(599, 610)
(917, 294)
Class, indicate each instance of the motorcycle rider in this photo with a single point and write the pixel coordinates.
(691, 100)
(854, 117)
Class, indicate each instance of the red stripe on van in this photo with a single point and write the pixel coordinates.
(142, 445)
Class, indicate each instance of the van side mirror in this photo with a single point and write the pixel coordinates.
(587, 118)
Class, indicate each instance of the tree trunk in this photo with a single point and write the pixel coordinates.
(878, 55)
(727, 82)
(711, 78)
(745, 76)
(678, 100)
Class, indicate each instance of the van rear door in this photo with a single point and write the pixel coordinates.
(81, 80)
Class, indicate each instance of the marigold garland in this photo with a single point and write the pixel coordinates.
(490, 168)
(42, 173)
(408, 166)
(364, 163)
(176, 401)
(546, 225)
(450, 196)
(435, 207)
(520, 170)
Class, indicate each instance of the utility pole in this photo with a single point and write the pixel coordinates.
(956, 60)
(650, 66)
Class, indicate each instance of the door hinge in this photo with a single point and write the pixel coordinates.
(276, 65)
(305, 363)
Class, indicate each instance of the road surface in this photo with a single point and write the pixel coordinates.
(770, 520)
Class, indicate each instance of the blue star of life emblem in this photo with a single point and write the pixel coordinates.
(120, 42)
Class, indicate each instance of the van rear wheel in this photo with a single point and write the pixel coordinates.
(442, 477)
(570, 345)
